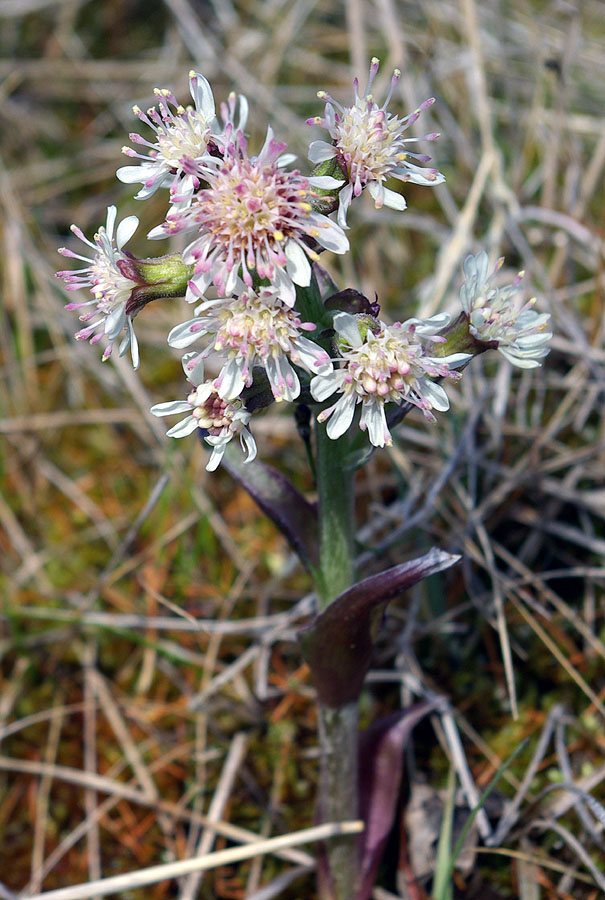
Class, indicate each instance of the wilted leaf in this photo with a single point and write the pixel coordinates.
(380, 772)
(338, 643)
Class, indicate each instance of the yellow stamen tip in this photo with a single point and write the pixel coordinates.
(278, 235)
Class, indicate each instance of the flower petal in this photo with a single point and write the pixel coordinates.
(320, 151)
(347, 327)
(170, 408)
(183, 428)
(126, 229)
(342, 416)
(182, 335)
(298, 266)
(331, 236)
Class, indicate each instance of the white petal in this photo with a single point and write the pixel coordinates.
(320, 151)
(376, 191)
(229, 383)
(517, 360)
(243, 112)
(373, 417)
(114, 322)
(248, 442)
(149, 190)
(158, 233)
(282, 378)
(323, 386)
(134, 345)
(455, 360)
(298, 266)
(286, 159)
(170, 408)
(196, 374)
(111, 221)
(341, 418)
(331, 236)
(215, 458)
(126, 229)
(183, 428)
(344, 201)
(231, 280)
(430, 325)
(284, 287)
(124, 344)
(428, 181)
(311, 357)
(202, 95)
(346, 326)
(131, 174)
(325, 182)
(268, 139)
(435, 394)
(182, 336)
(393, 200)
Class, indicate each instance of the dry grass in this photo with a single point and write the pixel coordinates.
(151, 692)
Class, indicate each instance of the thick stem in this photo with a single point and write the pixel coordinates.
(335, 484)
(338, 799)
(338, 736)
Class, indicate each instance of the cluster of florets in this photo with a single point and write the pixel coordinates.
(382, 364)
(496, 313)
(256, 228)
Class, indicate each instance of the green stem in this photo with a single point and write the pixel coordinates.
(338, 731)
(338, 799)
(335, 485)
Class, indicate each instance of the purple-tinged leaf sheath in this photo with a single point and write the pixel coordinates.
(381, 758)
(338, 643)
(294, 516)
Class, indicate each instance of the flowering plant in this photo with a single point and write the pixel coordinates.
(267, 316)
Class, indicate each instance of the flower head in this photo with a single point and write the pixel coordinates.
(369, 145)
(221, 420)
(520, 332)
(183, 136)
(111, 289)
(384, 364)
(254, 329)
(255, 215)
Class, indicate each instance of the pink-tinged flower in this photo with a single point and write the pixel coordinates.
(384, 364)
(222, 420)
(183, 136)
(110, 288)
(369, 145)
(256, 216)
(254, 329)
(520, 332)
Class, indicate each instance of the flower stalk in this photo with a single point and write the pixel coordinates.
(338, 726)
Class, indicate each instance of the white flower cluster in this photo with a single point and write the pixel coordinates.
(254, 233)
(521, 333)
